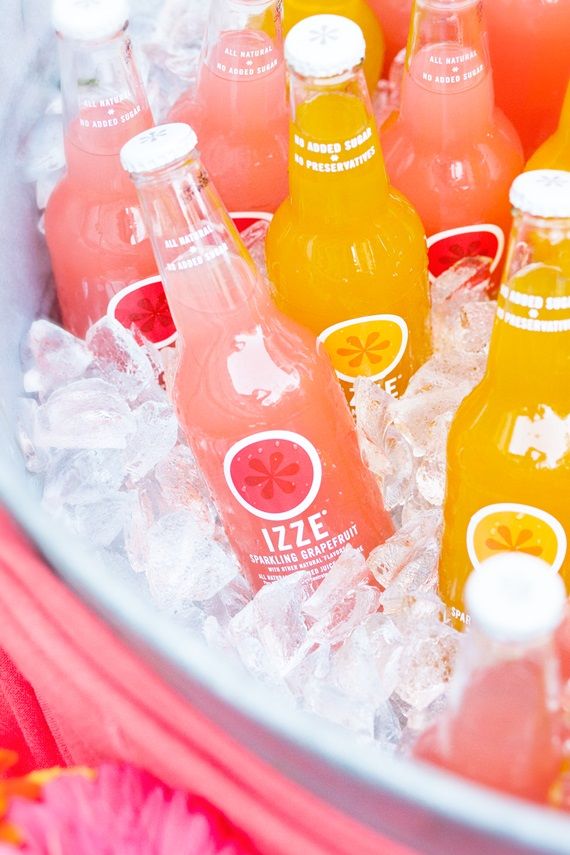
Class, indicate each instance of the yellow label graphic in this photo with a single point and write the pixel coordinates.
(371, 347)
(512, 527)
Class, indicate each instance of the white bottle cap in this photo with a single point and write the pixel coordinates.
(89, 20)
(158, 147)
(515, 597)
(542, 193)
(324, 46)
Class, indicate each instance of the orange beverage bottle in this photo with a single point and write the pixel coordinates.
(101, 257)
(450, 151)
(256, 395)
(357, 11)
(531, 63)
(394, 17)
(503, 724)
(346, 252)
(508, 471)
(555, 152)
(239, 106)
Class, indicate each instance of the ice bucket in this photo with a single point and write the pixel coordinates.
(109, 678)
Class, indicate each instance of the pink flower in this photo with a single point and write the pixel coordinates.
(123, 811)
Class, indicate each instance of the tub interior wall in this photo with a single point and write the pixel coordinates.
(377, 796)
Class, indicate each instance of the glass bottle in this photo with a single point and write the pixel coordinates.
(359, 12)
(503, 725)
(555, 152)
(508, 471)
(239, 107)
(346, 252)
(101, 257)
(450, 150)
(256, 395)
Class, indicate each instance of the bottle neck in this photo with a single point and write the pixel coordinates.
(447, 89)
(207, 272)
(104, 105)
(336, 166)
(482, 655)
(243, 41)
(529, 355)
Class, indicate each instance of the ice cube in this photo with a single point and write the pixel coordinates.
(83, 477)
(153, 439)
(467, 279)
(36, 459)
(119, 359)
(344, 576)
(275, 618)
(85, 414)
(345, 615)
(100, 522)
(254, 239)
(184, 563)
(52, 357)
(427, 665)
(407, 544)
(387, 727)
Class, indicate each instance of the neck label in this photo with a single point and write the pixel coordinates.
(334, 157)
(533, 312)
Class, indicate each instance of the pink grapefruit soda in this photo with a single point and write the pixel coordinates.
(255, 393)
(96, 238)
(239, 107)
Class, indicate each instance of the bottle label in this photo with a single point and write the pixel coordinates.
(512, 527)
(143, 305)
(244, 220)
(277, 476)
(447, 248)
(372, 346)
(245, 56)
(101, 113)
(337, 156)
(533, 312)
(448, 68)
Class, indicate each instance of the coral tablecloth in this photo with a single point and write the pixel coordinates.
(71, 691)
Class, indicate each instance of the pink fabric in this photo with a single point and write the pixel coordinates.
(76, 691)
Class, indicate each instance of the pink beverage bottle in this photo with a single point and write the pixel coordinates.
(256, 395)
(239, 107)
(503, 725)
(101, 257)
(394, 16)
(530, 52)
(450, 151)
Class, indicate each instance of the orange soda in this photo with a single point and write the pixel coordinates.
(555, 152)
(450, 150)
(239, 106)
(101, 257)
(359, 12)
(529, 42)
(503, 726)
(508, 472)
(257, 397)
(346, 252)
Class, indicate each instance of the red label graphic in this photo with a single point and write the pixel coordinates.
(143, 305)
(275, 474)
(447, 248)
(243, 220)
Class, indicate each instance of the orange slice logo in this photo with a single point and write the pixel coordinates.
(511, 527)
(371, 347)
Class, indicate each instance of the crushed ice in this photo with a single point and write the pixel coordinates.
(369, 648)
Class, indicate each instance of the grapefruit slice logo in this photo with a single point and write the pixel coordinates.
(372, 346)
(512, 527)
(447, 248)
(143, 305)
(275, 475)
